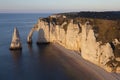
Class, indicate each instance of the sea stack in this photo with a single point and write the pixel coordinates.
(16, 43)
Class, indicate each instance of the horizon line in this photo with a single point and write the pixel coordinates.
(61, 12)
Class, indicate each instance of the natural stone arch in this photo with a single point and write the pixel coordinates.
(43, 34)
(30, 35)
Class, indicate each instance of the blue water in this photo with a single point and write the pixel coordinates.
(33, 62)
(24, 22)
(43, 62)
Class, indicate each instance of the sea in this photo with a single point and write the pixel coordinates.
(33, 62)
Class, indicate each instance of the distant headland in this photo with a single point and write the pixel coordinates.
(95, 35)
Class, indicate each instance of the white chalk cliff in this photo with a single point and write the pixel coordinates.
(16, 43)
(92, 50)
(84, 41)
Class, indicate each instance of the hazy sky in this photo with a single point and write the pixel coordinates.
(43, 6)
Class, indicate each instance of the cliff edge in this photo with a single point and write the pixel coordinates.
(97, 40)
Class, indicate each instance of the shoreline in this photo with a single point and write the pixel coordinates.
(90, 67)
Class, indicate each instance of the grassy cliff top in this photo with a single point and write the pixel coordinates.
(105, 24)
(111, 15)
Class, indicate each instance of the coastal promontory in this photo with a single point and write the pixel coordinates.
(95, 35)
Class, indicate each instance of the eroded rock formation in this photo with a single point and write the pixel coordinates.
(79, 37)
(16, 43)
(92, 50)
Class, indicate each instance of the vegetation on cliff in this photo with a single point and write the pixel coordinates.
(110, 15)
(106, 25)
(96, 37)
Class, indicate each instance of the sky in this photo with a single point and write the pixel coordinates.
(56, 6)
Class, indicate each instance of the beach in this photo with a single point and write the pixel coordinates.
(86, 70)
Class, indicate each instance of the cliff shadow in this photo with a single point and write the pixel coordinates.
(41, 37)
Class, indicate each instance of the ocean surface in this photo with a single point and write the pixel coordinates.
(33, 62)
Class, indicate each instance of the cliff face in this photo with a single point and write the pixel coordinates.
(79, 37)
(92, 50)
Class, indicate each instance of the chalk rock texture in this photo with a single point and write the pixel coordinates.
(92, 50)
(43, 32)
(78, 37)
(16, 43)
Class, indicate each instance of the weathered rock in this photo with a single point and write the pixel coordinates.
(54, 32)
(116, 42)
(73, 37)
(41, 37)
(69, 35)
(92, 50)
(43, 32)
(117, 59)
(62, 37)
(106, 54)
(118, 69)
(16, 43)
(29, 38)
